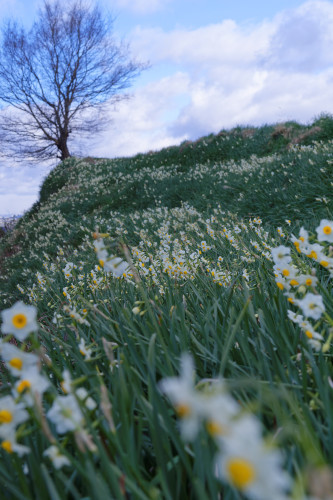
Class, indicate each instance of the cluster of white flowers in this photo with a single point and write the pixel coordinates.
(19, 321)
(29, 385)
(244, 460)
(178, 244)
(181, 257)
(299, 287)
(110, 263)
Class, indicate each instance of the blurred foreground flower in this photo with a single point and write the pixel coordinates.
(56, 457)
(243, 459)
(249, 465)
(182, 395)
(19, 320)
(17, 361)
(66, 414)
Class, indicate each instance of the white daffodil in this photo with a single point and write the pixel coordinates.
(314, 338)
(57, 459)
(294, 317)
(325, 231)
(101, 251)
(282, 283)
(218, 409)
(116, 266)
(17, 361)
(66, 414)
(68, 270)
(84, 350)
(312, 305)
(19, 320)
(302, 242)
(314, 251)
(180, 390)
(11, 414)
(247, 464)
(308, 280)
(10, 445)
(66, 383)
(281, 255)
(287, 271)
(31, 382)
(75, 315)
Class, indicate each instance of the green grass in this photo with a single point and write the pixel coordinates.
(196, 224)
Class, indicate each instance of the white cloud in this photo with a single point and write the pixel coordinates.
(303, 40)
(247, 74)
(16, 204)
(142, 123)
(226, 43)
(19, 187)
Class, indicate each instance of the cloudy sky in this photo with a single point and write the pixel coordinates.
(214, 64)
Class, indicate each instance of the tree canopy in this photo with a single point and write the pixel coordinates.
(56, 78)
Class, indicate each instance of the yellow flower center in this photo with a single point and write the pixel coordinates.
(312, 255)
(308, 334)
(302, 238)
(16, 363)
(183, 410)
(327, 229)
(5, 417)
(214, 428)
(308, 282)
(241, 472)
(285, 272)
(291, 300)
(67, 412)
(7, 445)
(280, 285)
(82, 352)
(23, 385)
(293, 282)
(19, 320)
(324, 263)
(101, 262)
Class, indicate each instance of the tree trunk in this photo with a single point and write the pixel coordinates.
(63, 148)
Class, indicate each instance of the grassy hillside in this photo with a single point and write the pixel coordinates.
(138, 269)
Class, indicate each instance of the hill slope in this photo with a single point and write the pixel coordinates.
(207, 260)
(248, 172)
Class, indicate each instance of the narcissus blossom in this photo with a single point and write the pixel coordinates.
(19, 320)
(249, 465)
(312, 305)
(17, 361)
(325, 231)
(57, 459)
(66, 414)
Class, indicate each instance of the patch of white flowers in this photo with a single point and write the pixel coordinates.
(299, 287)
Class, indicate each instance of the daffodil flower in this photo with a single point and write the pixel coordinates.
(19, 320)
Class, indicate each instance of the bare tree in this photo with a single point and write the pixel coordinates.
(56, 78)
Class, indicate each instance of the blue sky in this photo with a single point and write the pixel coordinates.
(214, 64)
